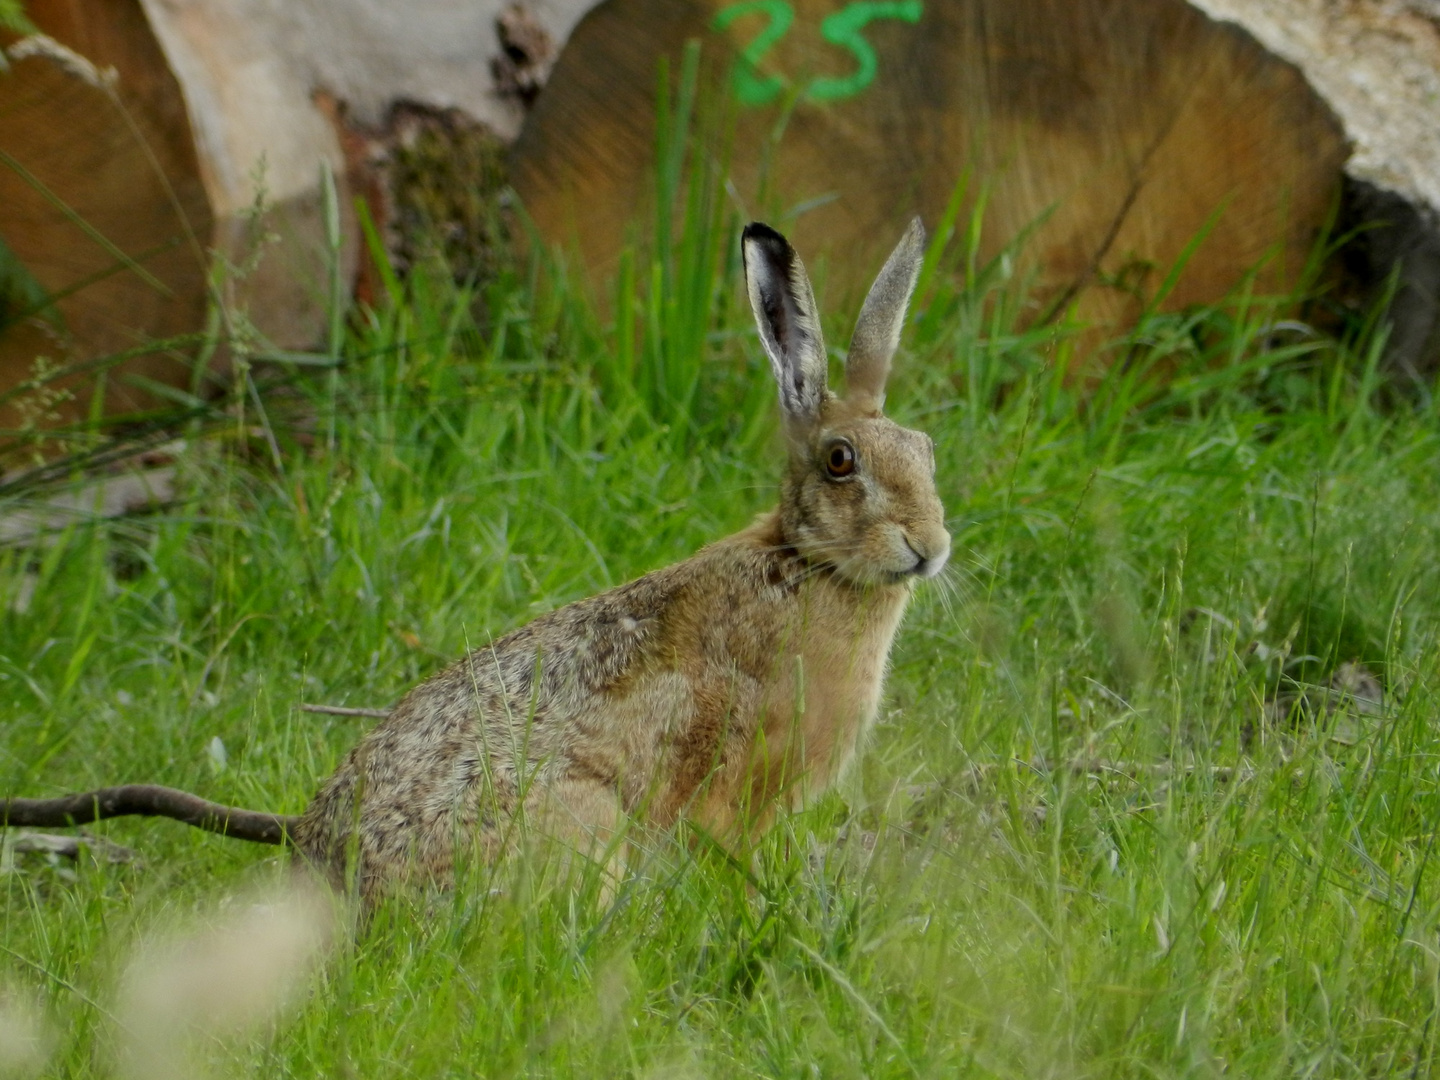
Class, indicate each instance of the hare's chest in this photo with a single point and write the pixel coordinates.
(829, 699)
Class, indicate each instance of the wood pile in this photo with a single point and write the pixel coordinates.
(137, 137)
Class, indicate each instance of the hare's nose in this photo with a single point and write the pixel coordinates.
(930, 557)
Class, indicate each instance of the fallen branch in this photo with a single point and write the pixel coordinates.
(43, 520)
(146, 800)
(1133, 769)
(1130, 769)
(345, 710)
(69, 847)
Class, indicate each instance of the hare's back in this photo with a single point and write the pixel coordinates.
(451, 752)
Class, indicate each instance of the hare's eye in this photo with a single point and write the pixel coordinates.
(840, 460)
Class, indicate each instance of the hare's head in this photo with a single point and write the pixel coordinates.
(859, 493)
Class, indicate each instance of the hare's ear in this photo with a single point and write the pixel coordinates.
(784, 307)
(877, 331)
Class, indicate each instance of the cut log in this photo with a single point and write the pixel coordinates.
(116, 194)
(1376, 63)
(1121, 130)
(140, 134)
(101, 203)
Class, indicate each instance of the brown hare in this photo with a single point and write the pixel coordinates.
(719, 689)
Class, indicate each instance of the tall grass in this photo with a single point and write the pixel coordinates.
(1090, 839)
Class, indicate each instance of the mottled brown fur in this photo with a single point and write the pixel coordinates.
(718, 689)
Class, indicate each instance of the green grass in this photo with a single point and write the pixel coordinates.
(1081, 844)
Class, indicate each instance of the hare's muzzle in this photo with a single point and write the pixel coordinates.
(931, 551)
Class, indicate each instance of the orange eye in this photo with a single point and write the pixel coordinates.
(840, 461)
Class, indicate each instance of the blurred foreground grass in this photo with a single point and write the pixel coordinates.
(1122, 816)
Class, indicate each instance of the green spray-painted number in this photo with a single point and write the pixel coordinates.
(841, 28)
(751, 88)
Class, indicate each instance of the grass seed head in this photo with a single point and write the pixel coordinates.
(232, 976)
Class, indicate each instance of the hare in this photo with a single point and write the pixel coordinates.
(720, 689)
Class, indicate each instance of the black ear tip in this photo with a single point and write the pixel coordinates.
(759, 232)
